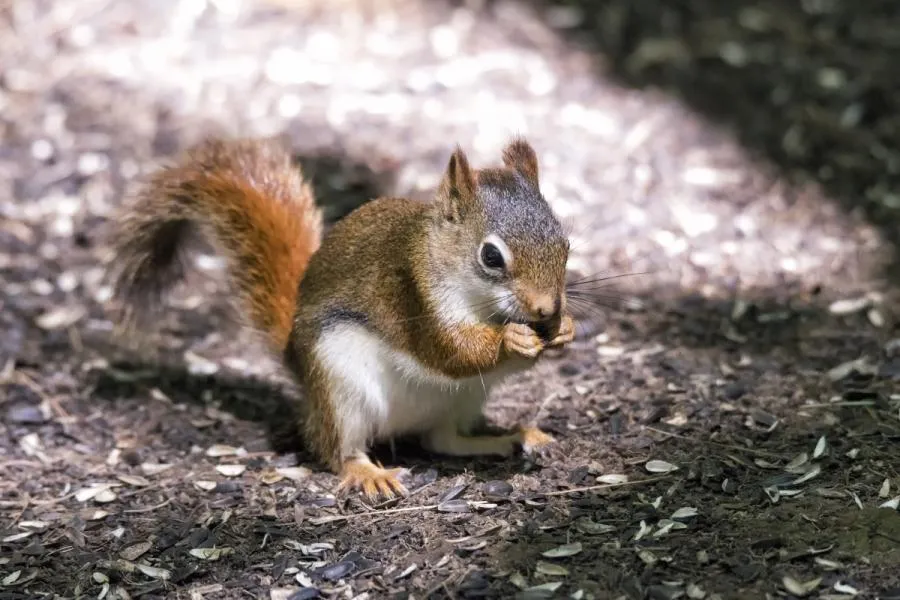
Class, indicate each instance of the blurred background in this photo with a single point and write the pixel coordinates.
(745, 154)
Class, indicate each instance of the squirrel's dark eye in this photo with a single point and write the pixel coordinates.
(491, 256)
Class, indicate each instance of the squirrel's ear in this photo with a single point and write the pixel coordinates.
(519, 155)
(457, 190)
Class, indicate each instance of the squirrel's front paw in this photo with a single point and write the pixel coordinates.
(565, 334)
(522, 339)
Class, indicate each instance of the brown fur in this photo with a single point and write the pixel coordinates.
(245, 198)
(381, 261)
(378, 266)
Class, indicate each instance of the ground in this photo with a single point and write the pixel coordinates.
(727, 423)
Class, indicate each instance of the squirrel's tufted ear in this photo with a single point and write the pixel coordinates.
(457, 190)
(519, 155)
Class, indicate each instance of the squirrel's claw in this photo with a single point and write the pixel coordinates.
(565, 334)
(522, 339)
(372, 480)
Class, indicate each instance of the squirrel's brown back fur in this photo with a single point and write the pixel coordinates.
(247, 200)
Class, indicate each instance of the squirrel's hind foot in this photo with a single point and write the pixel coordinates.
(359, 473)
(534, 441)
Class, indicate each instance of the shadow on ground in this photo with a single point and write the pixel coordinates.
(809, 85)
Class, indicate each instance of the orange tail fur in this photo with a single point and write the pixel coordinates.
(247, 200)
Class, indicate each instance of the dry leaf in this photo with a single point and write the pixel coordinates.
(885, 490)
(206, 486)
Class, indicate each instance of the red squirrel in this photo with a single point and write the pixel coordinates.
(398, 322)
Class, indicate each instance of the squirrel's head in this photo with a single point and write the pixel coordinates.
(510, 251)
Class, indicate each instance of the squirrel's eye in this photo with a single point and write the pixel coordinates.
(491, 256)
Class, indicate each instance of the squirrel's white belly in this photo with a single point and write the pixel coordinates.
(388, 393)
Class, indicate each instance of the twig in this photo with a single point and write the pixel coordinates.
(373, 513)
(604, 486)
(424, 507)
(719, 444)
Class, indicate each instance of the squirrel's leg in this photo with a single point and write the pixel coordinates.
(340, 414)
(456, 436)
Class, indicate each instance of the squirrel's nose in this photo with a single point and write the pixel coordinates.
(546, 307)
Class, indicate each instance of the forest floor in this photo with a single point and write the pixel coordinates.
(727, 424)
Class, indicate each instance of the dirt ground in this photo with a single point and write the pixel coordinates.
(727, 423)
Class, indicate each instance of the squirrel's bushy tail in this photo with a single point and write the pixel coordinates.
(247, 200)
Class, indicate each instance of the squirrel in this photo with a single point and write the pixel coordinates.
(398, 322)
